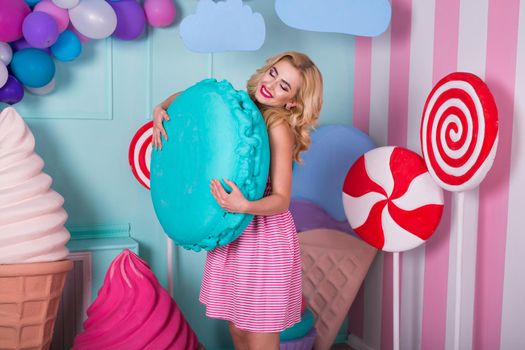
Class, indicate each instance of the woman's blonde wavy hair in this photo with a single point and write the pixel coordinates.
(301, 118)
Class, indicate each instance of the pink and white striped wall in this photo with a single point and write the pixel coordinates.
(393, 75)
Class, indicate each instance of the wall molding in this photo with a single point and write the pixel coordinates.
(100, 231)
(106, 114)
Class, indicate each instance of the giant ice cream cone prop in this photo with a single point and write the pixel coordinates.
(32, 241)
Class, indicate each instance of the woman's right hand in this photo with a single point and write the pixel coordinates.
(159, 115)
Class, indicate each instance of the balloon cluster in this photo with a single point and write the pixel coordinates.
(35, 32)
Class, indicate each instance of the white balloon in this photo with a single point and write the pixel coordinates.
(44, 90)
(95, 19)
(6, 53)
(66, 4)
(4, 74)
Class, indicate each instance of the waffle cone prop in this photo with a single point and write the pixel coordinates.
(29, 299)
(334, 264)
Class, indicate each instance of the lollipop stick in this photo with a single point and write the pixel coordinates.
(396, 300)
(169, 253)
(459, 254)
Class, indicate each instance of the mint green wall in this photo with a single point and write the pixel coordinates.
(84, 127)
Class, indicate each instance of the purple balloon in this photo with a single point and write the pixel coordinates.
(21, 44)
(40, 29)
(131, 19)
(12, 92)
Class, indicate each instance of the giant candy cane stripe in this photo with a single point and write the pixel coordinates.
(472, 46)
(445, 50)
(413, 262)
(513, 308)
(494, 191)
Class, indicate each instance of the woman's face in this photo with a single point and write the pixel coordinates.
(279, 85)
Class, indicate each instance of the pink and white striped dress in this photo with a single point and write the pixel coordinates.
(255, 281)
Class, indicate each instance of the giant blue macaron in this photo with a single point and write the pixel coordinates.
(214, 132)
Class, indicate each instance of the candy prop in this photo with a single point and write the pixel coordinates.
(459, 138)
(390, 199)
(392, 202)
(139, 154)
(334, 265)
(214, 132)
(133, 311)
(459, 131)
(33, 252)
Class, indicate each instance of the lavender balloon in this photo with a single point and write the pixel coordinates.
(131, 19)
(40, 29)
(6, 53)
(3, 74)
(12, 92)
(95, 19)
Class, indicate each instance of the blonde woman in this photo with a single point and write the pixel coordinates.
(255, 281)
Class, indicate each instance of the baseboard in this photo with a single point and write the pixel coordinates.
(357, 343)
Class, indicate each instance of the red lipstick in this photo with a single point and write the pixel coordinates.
(265, 92)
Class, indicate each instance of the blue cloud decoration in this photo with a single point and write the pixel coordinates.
(221, 26)
(355, 17)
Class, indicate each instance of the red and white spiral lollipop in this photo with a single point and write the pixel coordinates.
(390, 199)
(459, 131)
(139, 154)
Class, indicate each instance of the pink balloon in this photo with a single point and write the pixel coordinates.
(160, 13)
(60, 15)
(11, 18)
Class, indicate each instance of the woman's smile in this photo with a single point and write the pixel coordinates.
(265, 92)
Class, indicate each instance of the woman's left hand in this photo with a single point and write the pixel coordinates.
(233, 202)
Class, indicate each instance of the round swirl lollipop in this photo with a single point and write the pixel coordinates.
(139, 154)
(390, 199)
(459, 131)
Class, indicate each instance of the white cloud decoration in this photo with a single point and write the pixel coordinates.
(356, 17)
(223, 26)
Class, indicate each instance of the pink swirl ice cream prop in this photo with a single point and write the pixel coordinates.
(459, 131)
(133, 311)
(31, 214)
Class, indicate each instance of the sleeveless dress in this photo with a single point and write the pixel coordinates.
(255, 281)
